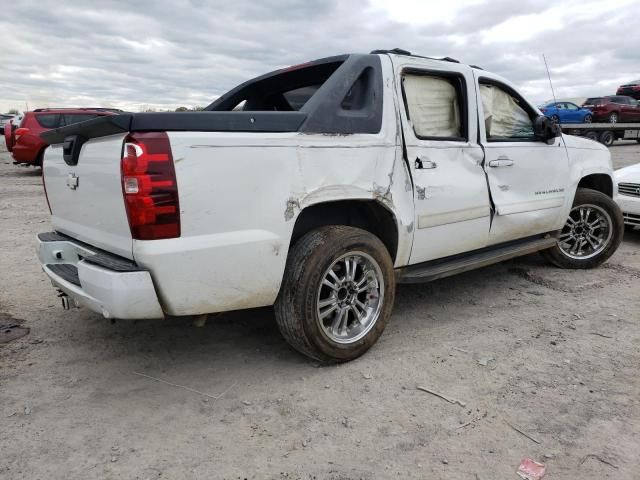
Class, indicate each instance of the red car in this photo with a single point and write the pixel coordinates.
(23, 140)
(613, 109)
(631, 89)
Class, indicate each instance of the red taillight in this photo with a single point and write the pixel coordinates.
(19, 132)
(149, 186)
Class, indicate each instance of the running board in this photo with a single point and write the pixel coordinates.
(433, 270)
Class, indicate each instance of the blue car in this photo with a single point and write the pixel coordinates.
(566, 112)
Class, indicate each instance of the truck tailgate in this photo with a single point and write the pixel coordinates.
(86, 199)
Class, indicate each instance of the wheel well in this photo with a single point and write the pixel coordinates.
(598, 181)
(368, 215)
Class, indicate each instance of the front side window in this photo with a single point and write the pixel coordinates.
(433, 106)
(504, 116)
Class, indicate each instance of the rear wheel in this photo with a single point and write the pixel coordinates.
(592, 233)
(607, 138)
(337, 293)
(588, 118)
(591, 136)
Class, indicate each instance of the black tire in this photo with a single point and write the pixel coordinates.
(588, 118)
(591, 135)
(614, 117)
(586, 196)
(607, 138)
(309, 259)
(555, 118)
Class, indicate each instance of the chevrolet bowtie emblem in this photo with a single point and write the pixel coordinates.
(72, 181)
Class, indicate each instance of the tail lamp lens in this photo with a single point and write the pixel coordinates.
(20, 131)
(149, 186)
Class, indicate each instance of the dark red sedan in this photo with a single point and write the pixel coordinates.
(23, 140)
(613, 109)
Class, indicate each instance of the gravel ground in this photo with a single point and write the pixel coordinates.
(521, 345)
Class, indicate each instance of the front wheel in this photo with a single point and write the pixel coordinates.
(337, 293)
(613, 118)
(592, 233)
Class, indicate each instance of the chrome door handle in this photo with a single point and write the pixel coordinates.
(425, 164)
(501, 162)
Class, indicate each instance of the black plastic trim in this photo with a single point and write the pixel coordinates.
(66, 271)
(218, 121)
(324, 109)
(454, 264)
(99, 257)
(96, 127)
(52, 237)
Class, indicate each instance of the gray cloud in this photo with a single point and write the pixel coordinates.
(169, 53)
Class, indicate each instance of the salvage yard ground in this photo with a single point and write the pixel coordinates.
(542, 362)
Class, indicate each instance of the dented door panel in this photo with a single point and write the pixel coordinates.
(452, 209)
(527, 180)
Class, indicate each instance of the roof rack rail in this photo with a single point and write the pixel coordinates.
(397, 51)
(400, 51)
(97, 109)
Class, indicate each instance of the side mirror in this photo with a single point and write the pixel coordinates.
(545, 129)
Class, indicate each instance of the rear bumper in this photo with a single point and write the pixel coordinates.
(109, 285)
(24, 154)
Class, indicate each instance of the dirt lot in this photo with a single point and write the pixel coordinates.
(553, 353)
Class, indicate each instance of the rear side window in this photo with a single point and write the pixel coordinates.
(76, 118)
(434, 106)
(505, 117)
(49, 120)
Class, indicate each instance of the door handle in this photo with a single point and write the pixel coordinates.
(425, 164)
(501, 162)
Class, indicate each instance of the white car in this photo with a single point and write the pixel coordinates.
(4, 119)
(333, 181)
(628, 180)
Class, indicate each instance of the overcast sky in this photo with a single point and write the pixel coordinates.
(168, 53)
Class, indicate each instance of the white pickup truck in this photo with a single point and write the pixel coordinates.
(316, 189)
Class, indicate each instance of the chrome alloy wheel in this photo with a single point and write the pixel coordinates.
(350, 297)
(587, 232)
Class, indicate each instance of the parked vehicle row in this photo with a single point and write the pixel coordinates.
(316, 189)
(22, 134)
(607, 109)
